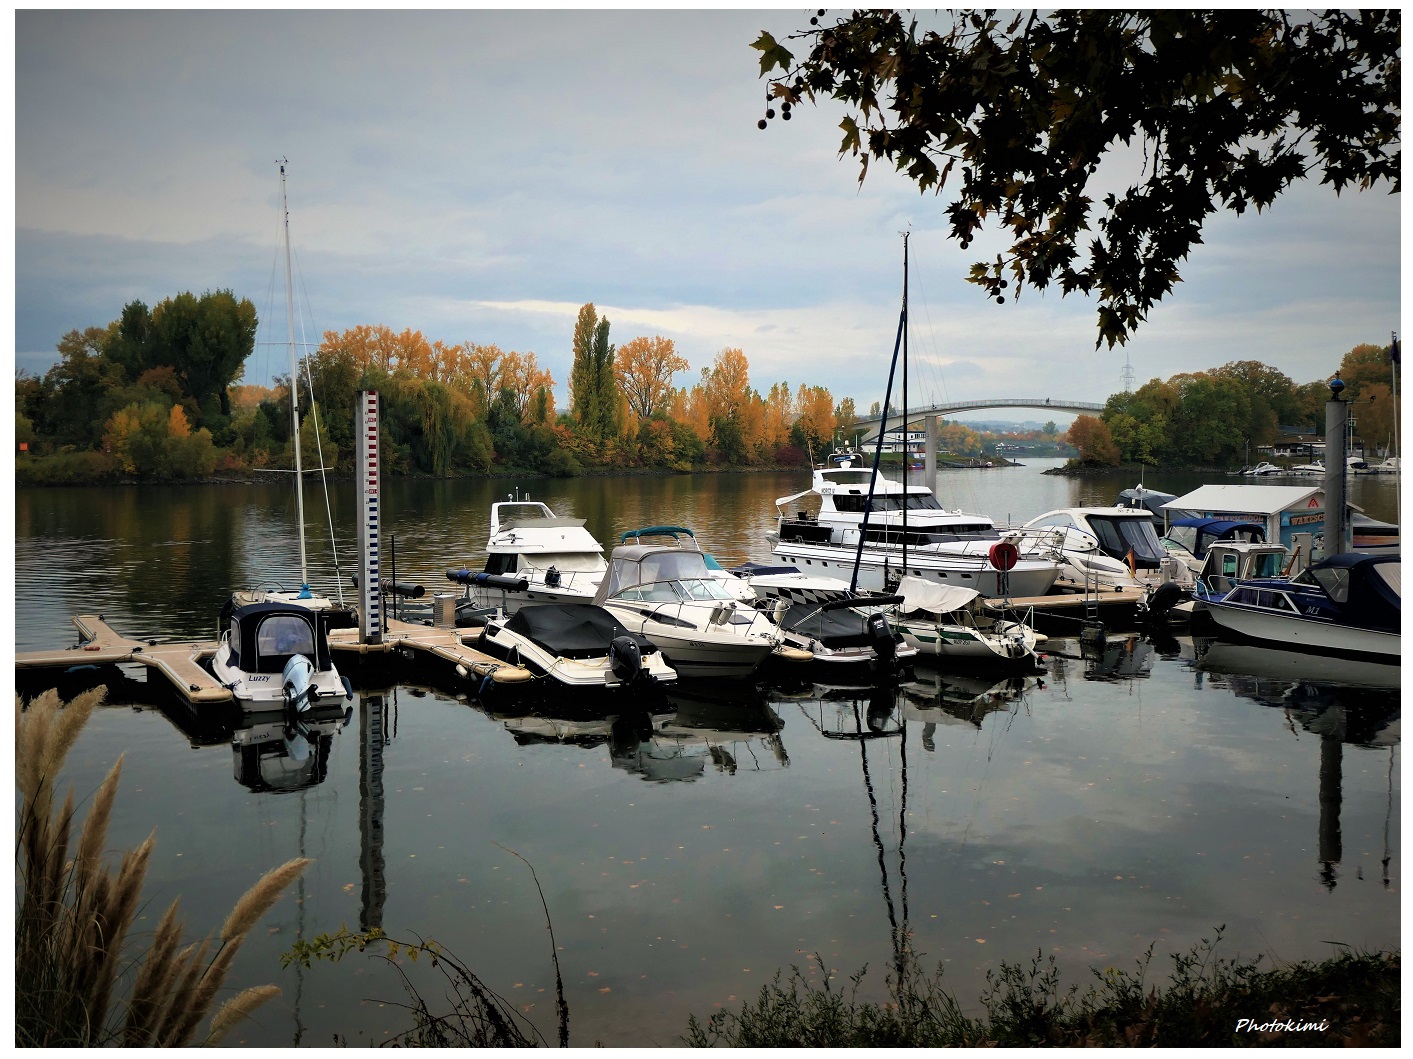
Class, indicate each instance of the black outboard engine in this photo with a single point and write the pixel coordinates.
(881, 634)
(1164, 598)
(625, 658)
(552, 577)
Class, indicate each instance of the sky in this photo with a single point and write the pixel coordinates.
(479, 175)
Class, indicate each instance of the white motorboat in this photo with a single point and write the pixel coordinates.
(275, 656)
(667, 593)
(1108, 547)
(578, 645)
(822, 530)
(945, 622)
(532, 556)
(850, 634)
(1264, 469)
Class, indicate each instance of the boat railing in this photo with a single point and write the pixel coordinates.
(683, 610)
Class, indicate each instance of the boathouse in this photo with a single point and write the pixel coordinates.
(1283, 510)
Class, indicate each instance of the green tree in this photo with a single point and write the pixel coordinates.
(1227, 107)
(206, 340)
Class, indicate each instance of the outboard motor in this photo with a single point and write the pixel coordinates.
(300, 692)
(881, 634)
(625, 658)
(552, 577)
(1164, 597)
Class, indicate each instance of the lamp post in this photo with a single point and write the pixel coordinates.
(1336, 508)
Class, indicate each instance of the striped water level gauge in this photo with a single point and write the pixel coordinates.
(365, 428)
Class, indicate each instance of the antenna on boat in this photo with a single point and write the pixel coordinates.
(304, 592)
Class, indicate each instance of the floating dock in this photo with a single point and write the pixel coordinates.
(182, 663)
(449, 645)
(1115, 607)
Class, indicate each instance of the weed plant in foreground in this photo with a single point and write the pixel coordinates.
(1351, 999)
(80, 979)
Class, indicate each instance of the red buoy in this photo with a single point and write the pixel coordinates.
(1004, 555)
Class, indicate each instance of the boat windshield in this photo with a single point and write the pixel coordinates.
(1118, 535)
(656, 569)
(706, 589)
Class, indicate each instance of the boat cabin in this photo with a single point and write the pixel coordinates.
(264, 636)
(1119, 531)
(1231, 562)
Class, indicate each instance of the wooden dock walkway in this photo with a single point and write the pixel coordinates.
(449, 645)
(181, 662)
(1115, 606)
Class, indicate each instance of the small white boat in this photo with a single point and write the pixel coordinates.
(945, 622)
(1105, 547)
(667, 593)
(576, 644)
(275, 656)
(1264, 469)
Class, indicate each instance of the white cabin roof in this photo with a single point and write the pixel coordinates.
(1256, 499)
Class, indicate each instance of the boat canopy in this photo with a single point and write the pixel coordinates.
(1369, 588)
(919, 594)
(646, 564)
(1197, 535)
(264, 636)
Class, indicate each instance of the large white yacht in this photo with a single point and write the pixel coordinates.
(818, 530)
(534, 556)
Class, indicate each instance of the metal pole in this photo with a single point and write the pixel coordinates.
(1336, 505)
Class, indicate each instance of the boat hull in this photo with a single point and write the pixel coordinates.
(1026, 578)
(1298, 633)
(699, 653)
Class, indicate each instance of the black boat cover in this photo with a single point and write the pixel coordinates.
(572, 630)
(833, 628)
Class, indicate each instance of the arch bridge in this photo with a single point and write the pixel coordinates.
(1049, 404)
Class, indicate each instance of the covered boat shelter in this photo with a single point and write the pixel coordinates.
(1282, 510)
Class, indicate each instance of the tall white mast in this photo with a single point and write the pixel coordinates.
(294, 388)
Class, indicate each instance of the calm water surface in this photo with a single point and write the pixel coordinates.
(1129, 797)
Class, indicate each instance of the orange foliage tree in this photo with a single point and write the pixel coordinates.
(1095, 444)
(645, 367)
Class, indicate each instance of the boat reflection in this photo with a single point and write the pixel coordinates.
(841, 712)
(1218, 657)
(933, 697)
(283, 756)
(732, 730)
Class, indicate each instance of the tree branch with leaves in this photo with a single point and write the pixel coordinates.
(1214, 110)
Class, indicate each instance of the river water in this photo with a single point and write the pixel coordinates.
(1130, 797)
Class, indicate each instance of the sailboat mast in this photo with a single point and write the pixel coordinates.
(907, 453)
(293, 386)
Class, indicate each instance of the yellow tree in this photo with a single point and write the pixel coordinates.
(645, 367)
(726, 387)
(779, 415)
(814, 414)
(520, 373)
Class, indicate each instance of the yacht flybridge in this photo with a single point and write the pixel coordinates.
(821, 530)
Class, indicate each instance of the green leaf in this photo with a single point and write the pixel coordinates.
(772, 54)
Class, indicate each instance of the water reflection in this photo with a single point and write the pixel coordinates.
(1352, 702)
(1102, 656)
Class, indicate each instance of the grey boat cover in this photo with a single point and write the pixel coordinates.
(572, 630)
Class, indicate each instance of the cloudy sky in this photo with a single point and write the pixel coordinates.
(479, 175)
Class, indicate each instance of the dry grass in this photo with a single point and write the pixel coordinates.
(74, 915)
